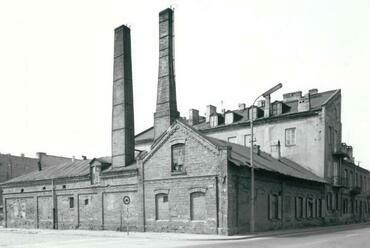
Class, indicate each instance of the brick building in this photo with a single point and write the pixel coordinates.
(12, 166)
(193, 175)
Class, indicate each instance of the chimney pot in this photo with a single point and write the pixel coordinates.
(313, 91)
(292, 96)
(210, 110)
(193, 117)
(241, 106)
(304, 103)
(267, 110)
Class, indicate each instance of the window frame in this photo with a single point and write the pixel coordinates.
(182, 166)
(293, 141)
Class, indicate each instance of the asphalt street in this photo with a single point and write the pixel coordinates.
(332, 238)
(342, 236)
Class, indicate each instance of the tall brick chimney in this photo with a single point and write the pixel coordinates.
(123, 136)
(166, 109)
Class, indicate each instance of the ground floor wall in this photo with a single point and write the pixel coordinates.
(74, 207)
(346, 205)
(280, 202)
(199, 204)
(182, 204)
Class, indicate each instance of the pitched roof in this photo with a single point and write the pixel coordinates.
(316, 102)
(145, 136)
(65, 170)
(70, 169)
(12, 166)
(240, 156)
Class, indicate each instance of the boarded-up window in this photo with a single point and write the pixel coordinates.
(287, 208)
(161, 207)
(274, 206)
(197, 206)
(309, 208)
(299, 207)
(178, 155)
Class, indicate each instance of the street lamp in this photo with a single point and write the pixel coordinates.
(267, 93)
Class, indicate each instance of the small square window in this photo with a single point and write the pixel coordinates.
(165, 198)
(86, 201)
(63, 186)
(290, 137)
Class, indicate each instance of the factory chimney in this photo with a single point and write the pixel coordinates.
(123, 136)
(166, 109)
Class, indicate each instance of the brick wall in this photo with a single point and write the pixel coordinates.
(269, 184)
(201, 169)
(21, 212)
(94, 206)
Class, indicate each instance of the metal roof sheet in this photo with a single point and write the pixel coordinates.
(64, 170)
(240, 155)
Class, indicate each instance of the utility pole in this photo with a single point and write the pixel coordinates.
(267, 93)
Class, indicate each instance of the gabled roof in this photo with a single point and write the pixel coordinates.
(240, 156)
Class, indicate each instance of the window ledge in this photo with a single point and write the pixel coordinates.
(178, 173)
(291, 145)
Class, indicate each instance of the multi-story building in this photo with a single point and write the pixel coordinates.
(194, 174)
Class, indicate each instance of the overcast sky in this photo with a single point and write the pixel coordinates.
(56, 64)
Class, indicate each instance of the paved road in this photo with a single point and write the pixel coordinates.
(353, 238)
(337, 237)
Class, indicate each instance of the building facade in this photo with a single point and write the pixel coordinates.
(193, 174)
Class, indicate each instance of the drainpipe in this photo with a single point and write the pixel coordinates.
(54, 205)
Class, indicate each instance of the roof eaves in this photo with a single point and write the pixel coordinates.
(331, 97)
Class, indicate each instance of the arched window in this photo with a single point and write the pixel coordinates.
(178, 155)
(161, 206)
(198, 206)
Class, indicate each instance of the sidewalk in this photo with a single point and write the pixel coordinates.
(182, 236)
